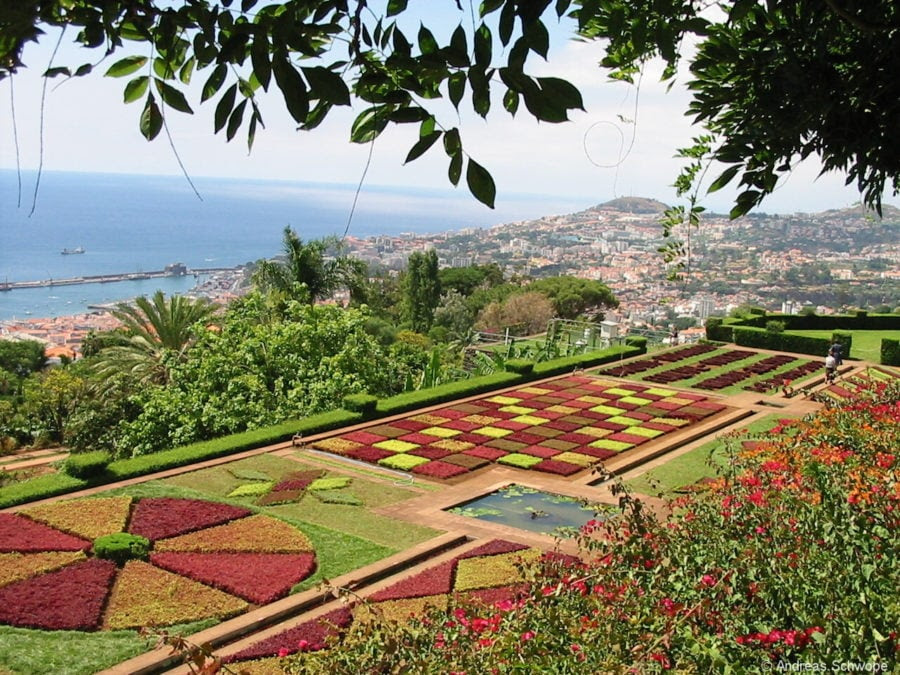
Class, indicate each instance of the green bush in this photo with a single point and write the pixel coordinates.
(410, 400)
(361, 403)
(121, 547)
(785, 342)
(521, 366)
(890, 352)
(758, 311)
(42, 487)
(718, 330)
(774, 326)
(845, 338)
(227, 445)
(637, 341)
(86, 464)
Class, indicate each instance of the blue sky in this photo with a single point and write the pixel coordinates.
(88, 128)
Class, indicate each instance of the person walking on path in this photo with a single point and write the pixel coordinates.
(837, 351)
(830, 368)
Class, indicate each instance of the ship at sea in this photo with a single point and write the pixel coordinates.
(72, 251)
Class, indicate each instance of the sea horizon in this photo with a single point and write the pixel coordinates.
(132, 223)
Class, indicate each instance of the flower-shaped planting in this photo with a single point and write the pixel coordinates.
(487, 574)
(552, 427)
(117, 563)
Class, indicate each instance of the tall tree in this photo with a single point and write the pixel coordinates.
(307, 271)
(422, 290)
(157, 334)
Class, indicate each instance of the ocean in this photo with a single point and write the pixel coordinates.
(133, 223)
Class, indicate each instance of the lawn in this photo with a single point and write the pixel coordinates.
(866, 343)
(705, 461)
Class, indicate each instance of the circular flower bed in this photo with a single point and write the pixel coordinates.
(205, 560)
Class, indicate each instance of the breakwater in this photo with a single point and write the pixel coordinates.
(174, 270)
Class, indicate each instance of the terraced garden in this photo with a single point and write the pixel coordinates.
(198, 550)
(560, 427)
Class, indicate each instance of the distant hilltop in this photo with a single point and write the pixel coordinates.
(632, 205)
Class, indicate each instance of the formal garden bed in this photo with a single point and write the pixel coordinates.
(715, 369)
(485, 576)
(213, 552)
(560, 427)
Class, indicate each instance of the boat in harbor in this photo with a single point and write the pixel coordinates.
(72, 251)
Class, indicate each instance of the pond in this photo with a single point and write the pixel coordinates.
(533, 510)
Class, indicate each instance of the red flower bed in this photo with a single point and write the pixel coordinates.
(559, 468)
(625, 437)
(580, 439)
(279, 497)
(68, 599)
(562, 425)
(485, 452)
(368, 454)
(599, 453)
(433, 581)
(493, 547)
(20, 534)
(312, 634)
(417, 438)
(540, 451)
(365, 437)
(451, 413)
(257, 577)
(298, 480)
(462, 425)
(525, 437)
(409, 425)
(490, 597)
(477, 439)
(439, 469)
(161, 517)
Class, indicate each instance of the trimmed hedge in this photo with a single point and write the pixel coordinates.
(42, 487)
(361, 403)
(568, 364)
(521, 366)
(785, 342)
(890, 352)
(411, 400)
(87, 464)
(219, 447)
(718, 330)
(846, 339)
(121, 547)
(636, 341)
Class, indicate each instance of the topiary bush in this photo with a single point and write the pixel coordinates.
(890, 352)
(86, 464)
(521, 366)
(121, 547)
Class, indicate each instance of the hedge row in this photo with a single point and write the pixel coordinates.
(784, 342)
(890, 352)
(410, 400)
(90, 466)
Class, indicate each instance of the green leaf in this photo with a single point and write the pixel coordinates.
(224, 107)
(214, 82)
(562, 91)
(458, 41)
(455, 170)
(126, 66)
(187, 70)
(562, 7)
(422, 146)
(724, 178)
(259, 59)
(507, 22)
(328, 85)
(83, 69)
(151, 119)
(483, 46)
(409, 114)
(234, 121)
(369, 124)
(293, 88)
(427, 43)
(480, 183)
(136, 88)
(538, 38)
(396, 7)
(53, 72)
(452, 144)
(163, 68)
(172, 97)
(456, 88)
(251, 133)
(511, 101)
(489, 6)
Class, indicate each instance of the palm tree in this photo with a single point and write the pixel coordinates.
(157, 333)
(306, 265)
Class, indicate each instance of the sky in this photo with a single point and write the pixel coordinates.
(622, 145)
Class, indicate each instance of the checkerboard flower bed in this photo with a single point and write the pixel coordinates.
(70, 598)
(48, 582)
(259, 578)
(161, 517)
(523, 427)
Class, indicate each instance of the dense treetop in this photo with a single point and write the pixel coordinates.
(771, 82)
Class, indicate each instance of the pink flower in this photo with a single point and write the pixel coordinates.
(527, 635)
(708, 580)
(284, 651)
(303, 645)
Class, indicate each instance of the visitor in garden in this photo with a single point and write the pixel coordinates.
(830, 367)
(837, 351)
